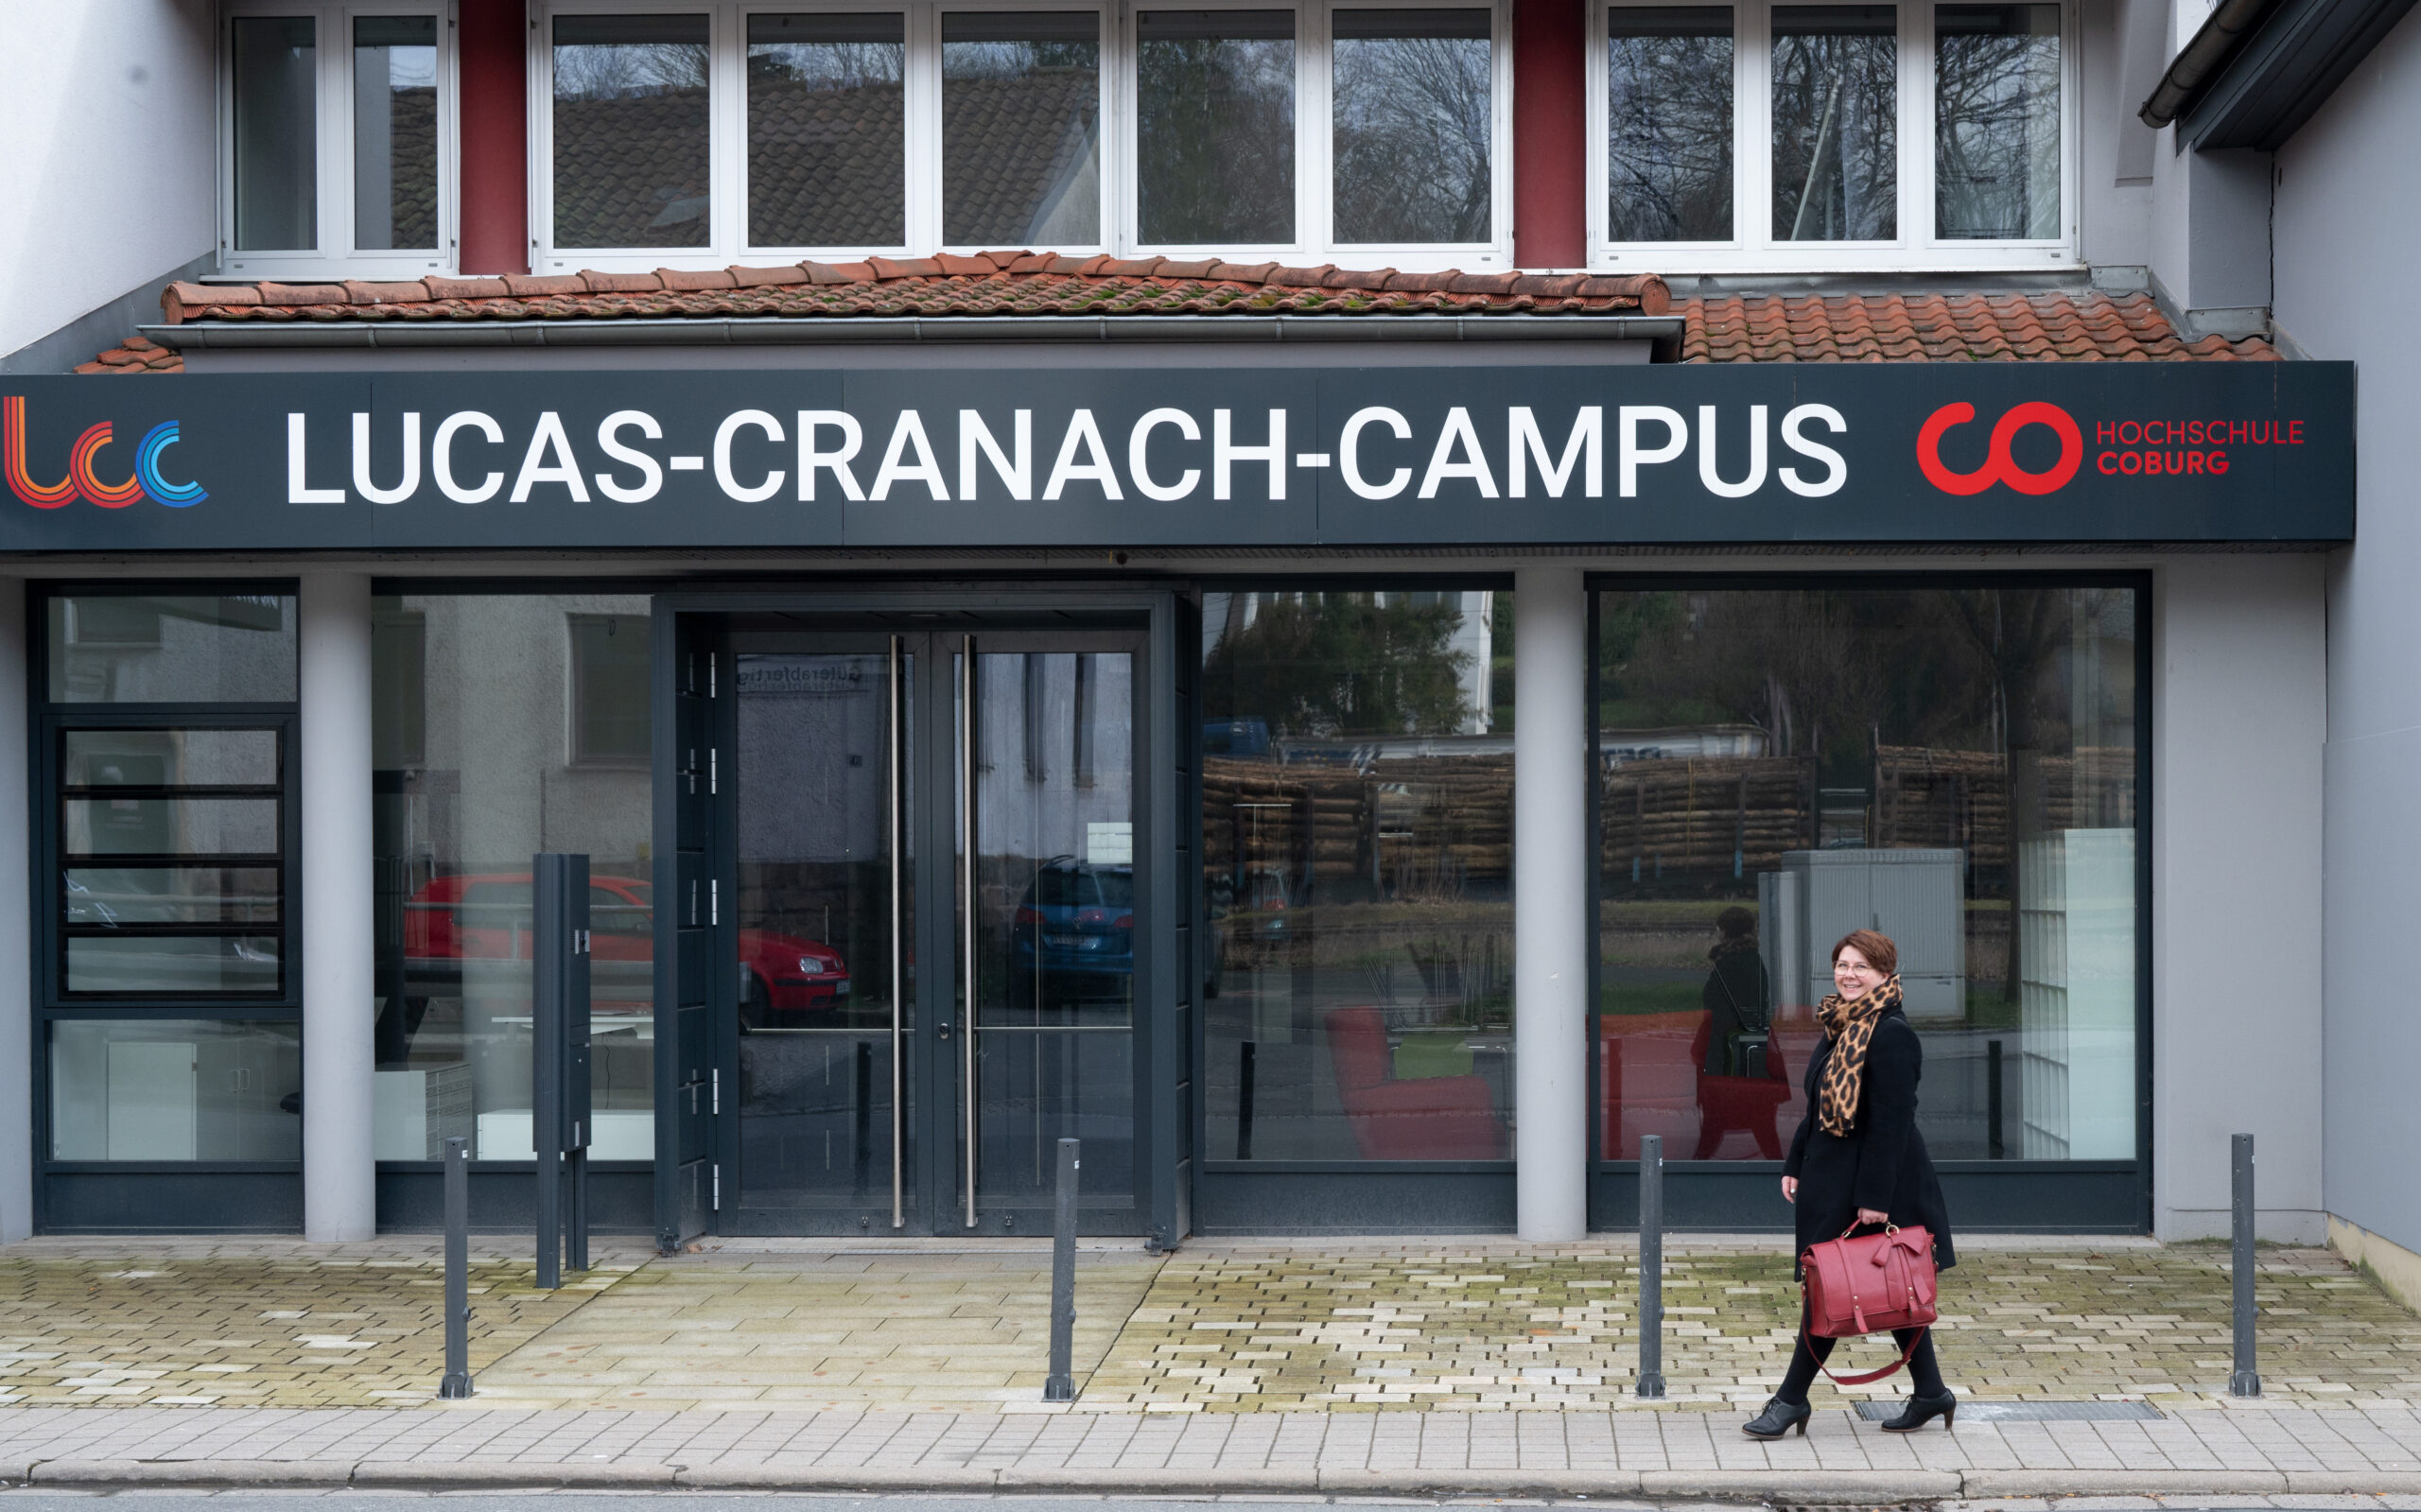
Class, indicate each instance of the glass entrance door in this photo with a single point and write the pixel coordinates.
(903, 1043)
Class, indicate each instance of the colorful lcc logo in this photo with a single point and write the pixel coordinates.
(80, 481)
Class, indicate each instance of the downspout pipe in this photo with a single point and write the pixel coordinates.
(2200, 61)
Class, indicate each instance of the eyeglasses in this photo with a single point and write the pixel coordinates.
(1855, 967)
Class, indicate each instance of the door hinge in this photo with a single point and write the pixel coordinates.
(714, 767)
(713, 690)
(714, 901)
(714, 1091)
(716, 1201)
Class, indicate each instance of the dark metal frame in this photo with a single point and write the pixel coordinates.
(149, 1195)
(2016, 1196)
(1014, 610)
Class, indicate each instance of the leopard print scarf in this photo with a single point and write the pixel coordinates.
(1851, 1028)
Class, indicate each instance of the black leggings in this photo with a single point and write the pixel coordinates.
(1925, 1372)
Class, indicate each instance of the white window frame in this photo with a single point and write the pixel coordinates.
(1753, 248)
(727, 242)
(335, 256)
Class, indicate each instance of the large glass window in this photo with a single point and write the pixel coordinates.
(827, 130)
(630, 131)
(1022, 128)
(1668, 123)
(276, 59)
(1215, 127)
(1996, 121)
(171, 649)
(395, 132)
(1414, 110)
(175, 1089)
(1836, 123)
(1954, 766)
(1357, 790)
(495, 709)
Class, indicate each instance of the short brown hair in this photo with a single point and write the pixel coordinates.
(1878, 948)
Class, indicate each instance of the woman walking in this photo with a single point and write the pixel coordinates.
(1857, 1159)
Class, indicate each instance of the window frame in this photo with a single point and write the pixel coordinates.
(333, 124)
(1754, 248)
(923, 221)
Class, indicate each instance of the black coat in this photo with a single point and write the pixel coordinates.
(1882, 1162)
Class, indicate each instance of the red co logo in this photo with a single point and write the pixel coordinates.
(1999, 466)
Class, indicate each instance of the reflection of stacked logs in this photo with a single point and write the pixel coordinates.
(1420, 822)
(1960, 798)
(1697, 814)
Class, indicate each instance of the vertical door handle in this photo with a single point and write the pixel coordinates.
(966, 832)
(896, 834)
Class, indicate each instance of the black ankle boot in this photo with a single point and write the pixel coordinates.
(1779, 1417)
(1922, 1409)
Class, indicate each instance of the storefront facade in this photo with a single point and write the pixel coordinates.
(1361, 749)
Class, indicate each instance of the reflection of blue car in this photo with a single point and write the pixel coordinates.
(1079, 918)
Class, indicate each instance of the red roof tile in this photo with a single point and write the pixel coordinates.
(135, 354)
(2054, 327)
(1000, 283)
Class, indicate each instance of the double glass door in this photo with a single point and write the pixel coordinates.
(928, 839)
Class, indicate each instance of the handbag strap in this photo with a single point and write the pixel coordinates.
(1864, 1377)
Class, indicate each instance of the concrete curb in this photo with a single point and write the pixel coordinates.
(1797, 1487)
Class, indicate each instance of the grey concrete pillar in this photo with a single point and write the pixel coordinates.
(16, 926)
(340, 1198)
(1551, 848)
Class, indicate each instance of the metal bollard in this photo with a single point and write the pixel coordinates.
(1061, 1386)
(457, 1383)
(1651, 1266)
(2243, 1381)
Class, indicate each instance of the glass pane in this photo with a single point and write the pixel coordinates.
(1668, 148)
(631, 125)
(1835, 128)
(1021, 128)
(1414, 101)
(136, 648)
(610, 694)
(110, 896)
(168, 826)
(827, 131)
(1214, 128)
(816, 994)
(486, 783)
(1996, 121)
(174, 965)
(1055, 899)
(1954, 767)
(276, 112)
(175, 1089)
(395, 132)
(170, 759)
(1358, 852)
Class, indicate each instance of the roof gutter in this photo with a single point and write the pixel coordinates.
(883, 331)
(2201, 60)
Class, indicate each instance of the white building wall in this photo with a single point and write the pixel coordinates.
(2349, 220)
(2239, 716)
(106, 183)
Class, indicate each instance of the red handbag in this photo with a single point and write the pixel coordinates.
(1871, 1285)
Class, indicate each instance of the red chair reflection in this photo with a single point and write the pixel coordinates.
(1430, 1118)
(1729, 1103)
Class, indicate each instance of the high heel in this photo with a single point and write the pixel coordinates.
(1779, 1417)
(1922, 1409)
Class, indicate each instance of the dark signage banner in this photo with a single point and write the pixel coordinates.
(1411, 454)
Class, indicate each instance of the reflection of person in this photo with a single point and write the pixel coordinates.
(1858, 1159)
(1735, 991)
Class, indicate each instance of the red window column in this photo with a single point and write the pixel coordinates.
(1550, 140)
(493, 55)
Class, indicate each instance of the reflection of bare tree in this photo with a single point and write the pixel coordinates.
(2018, 631)
(1412, 139)
(1215, 136)
(1836, 139)
(1795, 665)
(1997, 126)
(1669, 136)
(591, 71)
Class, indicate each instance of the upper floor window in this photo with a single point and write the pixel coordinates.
(738, 135)
(1766, 135)
(338, 140)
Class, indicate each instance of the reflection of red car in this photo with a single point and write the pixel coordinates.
(487, 917)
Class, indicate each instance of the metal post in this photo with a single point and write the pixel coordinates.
(2243, 1382)
(1061, 1386)
(1994, 1146)
(457, 1383)
(1651, 1267)
(1244, 1100)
